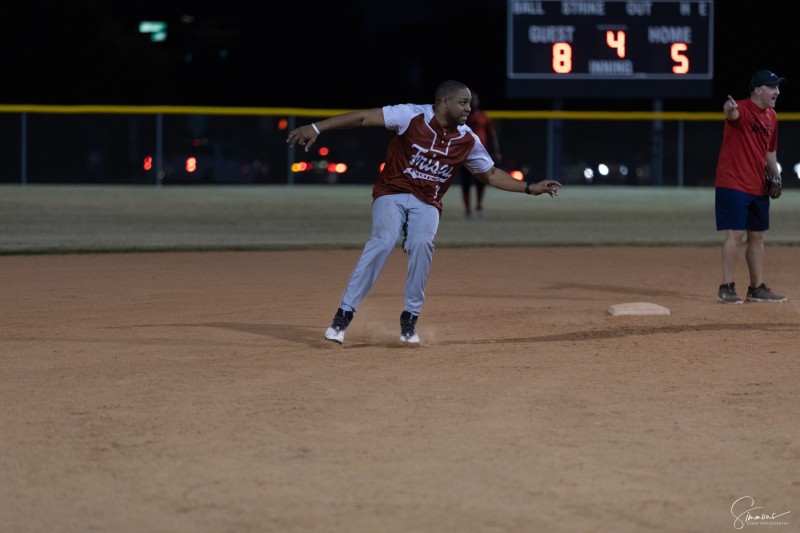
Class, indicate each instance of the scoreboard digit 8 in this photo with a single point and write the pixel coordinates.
(610, 49)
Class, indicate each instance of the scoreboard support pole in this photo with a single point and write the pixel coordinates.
(290, 180)
(23, 155)
(554, 143)
(680, 154)
(657, 146)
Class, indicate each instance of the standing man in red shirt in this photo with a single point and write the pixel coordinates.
(480, 123)
(749, 146)
(430, 145)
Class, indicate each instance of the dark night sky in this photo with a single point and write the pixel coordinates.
(322, 54)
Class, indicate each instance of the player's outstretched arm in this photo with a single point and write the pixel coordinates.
(731, 109)
(500, 179)
(307, 135)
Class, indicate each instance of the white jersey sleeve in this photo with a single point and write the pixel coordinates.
(478, 160)
(397, 117)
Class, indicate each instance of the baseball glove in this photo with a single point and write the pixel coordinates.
(773, 185)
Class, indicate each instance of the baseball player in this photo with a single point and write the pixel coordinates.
(430, 145)
(749, 146)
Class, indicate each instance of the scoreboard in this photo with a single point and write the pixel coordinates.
(609, 49)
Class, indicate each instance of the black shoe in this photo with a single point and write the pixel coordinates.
(727, 294)
(763, 294)
(341, 320)
(408, 328)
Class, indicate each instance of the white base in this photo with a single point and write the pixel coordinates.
(637, 308)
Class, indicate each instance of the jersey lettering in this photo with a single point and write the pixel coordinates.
(422, 158)
(429, 165)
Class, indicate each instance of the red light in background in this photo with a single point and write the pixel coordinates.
(380, 167)
(302, 166)
(148, 163)
(191, 164)
(517, 175)
(337, 168)
(323, 151)
(283, 124)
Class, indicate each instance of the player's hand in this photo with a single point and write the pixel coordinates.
(304, 136)
(731, 109)
(550, 187)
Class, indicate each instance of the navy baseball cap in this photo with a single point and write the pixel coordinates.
(765, 77)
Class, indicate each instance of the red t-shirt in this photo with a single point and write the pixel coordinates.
(482, 125)
(422, 159)
(745, 144)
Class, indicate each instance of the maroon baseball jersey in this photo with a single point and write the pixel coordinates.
(422, 159)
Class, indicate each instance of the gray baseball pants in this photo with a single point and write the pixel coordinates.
(389, 214)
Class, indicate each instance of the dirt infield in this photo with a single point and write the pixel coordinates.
(192, 392)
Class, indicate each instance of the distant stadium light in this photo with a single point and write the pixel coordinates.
(323, 151)
(156, 29)
(517, 175)
(283, 124)
(148, 163)
(603, 169)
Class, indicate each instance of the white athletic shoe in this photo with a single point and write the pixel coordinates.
(413, 339)
(335, 333)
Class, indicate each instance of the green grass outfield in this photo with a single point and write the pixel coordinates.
(68, 219)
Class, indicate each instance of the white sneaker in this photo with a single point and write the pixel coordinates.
(413, 339)
(335, 333)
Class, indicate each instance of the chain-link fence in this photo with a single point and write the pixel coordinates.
(172, 146)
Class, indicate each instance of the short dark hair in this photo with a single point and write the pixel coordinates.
(448, 88)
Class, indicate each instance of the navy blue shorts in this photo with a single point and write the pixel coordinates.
(738, 210)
